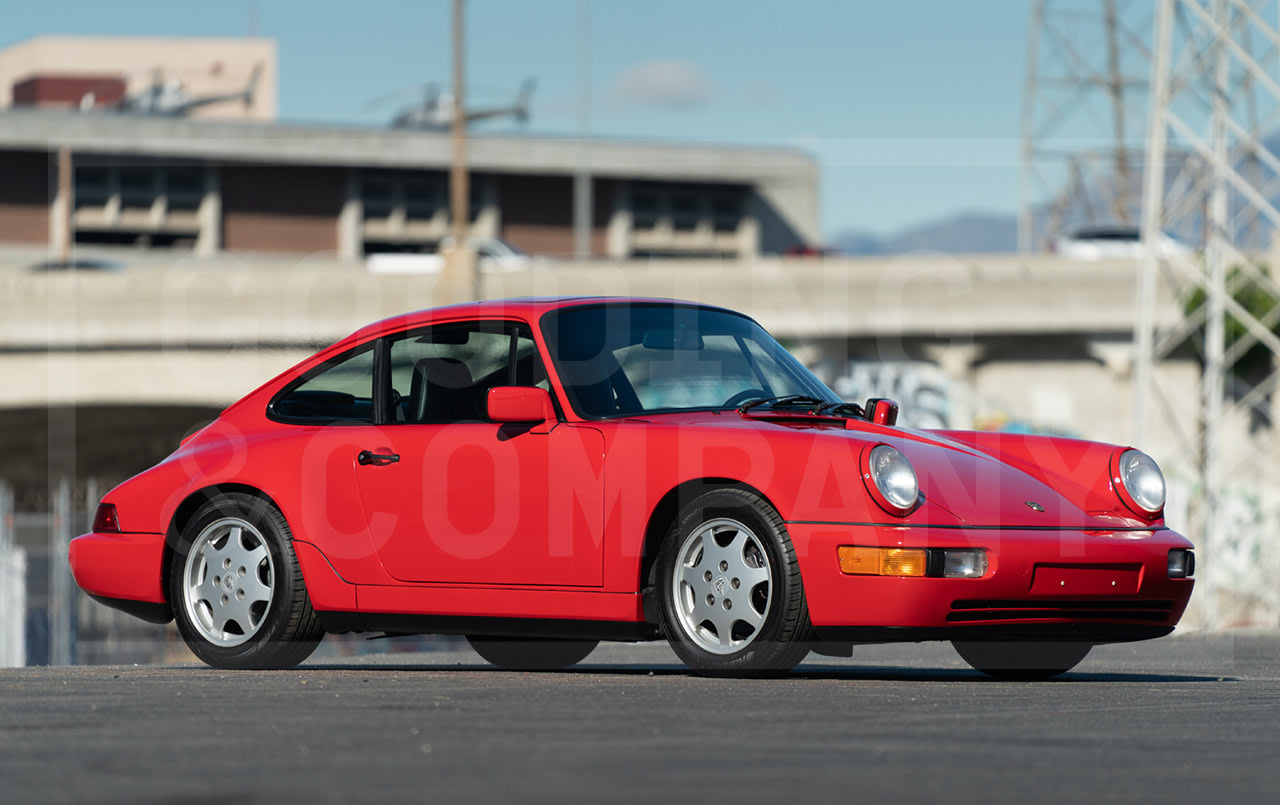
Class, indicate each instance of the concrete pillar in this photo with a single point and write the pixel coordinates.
(209, 240)
(61, 208)
(583, 206)
(618, 234)
(1117, 356)
(749, 237)
(351, 220)
(13, 589)
(62, 637)
(959, 361)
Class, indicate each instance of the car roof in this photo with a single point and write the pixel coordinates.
(529, 308)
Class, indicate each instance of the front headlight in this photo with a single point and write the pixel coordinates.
(1139, 482)
(890, 479)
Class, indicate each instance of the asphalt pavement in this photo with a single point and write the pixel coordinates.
(1185, 718)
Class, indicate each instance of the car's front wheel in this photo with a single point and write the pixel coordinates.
(236, 587)
(729, 590)
(1023, 660)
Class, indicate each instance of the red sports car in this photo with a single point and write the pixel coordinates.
(543, 474)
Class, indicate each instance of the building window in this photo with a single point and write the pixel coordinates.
(137, 188)
(184, 188)
(377, 198)
(644, 208)
(421, 201)
(93, 186)
(408, 211)
(684, 211)
(726, 211)
(670, 219)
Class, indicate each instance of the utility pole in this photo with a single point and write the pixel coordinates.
(460, 280)
(66, 206)
(582, 196)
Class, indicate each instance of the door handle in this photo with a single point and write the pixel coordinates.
(366, 457)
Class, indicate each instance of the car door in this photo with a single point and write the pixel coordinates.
(453, 498)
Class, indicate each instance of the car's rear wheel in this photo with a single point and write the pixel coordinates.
(236, 588)
(525, 654)
(1024, 660)
(729, 591)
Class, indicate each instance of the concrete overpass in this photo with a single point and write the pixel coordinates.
(156, 329)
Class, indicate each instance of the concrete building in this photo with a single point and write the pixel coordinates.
(243, 187)
(223, 177)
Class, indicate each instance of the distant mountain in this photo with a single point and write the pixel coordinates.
(858, 243)
(966, 233)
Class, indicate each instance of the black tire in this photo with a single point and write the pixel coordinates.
(1022, 660)
(236, 589)
(752, 565)
(525, 654)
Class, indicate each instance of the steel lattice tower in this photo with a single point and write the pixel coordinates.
(1215, 92)
(1083, 115)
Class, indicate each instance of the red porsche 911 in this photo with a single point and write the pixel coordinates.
(543, 474)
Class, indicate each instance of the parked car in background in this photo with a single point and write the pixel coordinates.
(1107, 242)
(812, 250)
(543, 474)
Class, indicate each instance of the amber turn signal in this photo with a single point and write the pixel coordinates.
(859, 560)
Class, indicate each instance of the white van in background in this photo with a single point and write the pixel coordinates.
(492, 254)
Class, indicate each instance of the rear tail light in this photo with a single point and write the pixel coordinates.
(105, 520)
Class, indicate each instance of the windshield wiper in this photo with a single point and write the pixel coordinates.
(843, 409)
(787, 401)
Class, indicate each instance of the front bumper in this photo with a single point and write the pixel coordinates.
(1047, 584)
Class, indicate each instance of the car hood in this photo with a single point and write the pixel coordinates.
(980, 479)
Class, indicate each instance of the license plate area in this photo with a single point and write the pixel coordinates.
(1086, 579)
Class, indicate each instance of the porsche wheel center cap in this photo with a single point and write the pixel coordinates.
(229, 582)
(720, 585)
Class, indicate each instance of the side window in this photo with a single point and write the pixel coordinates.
(339, 390)
(443, 373)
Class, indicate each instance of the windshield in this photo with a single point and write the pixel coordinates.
(624, 360)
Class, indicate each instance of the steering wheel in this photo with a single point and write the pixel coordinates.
(743, 396)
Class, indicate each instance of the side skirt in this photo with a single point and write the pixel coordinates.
(400, 624)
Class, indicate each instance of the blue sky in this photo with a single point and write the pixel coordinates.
(911, 107)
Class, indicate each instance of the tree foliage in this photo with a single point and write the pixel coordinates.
(1251, 295)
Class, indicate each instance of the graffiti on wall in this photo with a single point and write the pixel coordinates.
(1239, 575)
(922, 390)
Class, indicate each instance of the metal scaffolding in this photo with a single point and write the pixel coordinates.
(1083, 116)
(1215, 97)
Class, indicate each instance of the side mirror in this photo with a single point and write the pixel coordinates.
(882, 411)
(520, 404)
